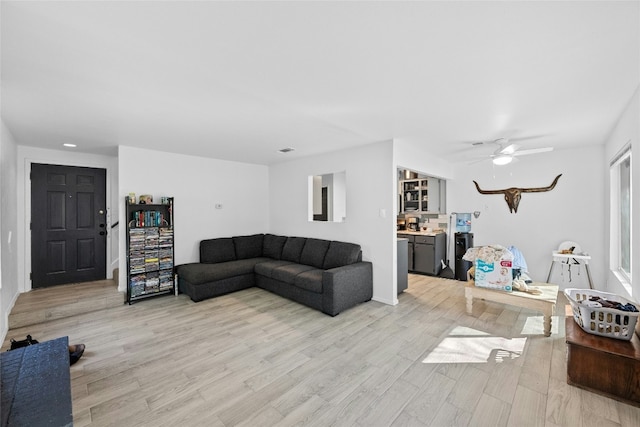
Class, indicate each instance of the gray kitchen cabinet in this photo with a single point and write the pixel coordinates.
(403, 274)
(427, 253)
(410, 239)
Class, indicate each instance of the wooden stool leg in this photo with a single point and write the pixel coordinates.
(548, 312)
(469, 296)
(547, 325)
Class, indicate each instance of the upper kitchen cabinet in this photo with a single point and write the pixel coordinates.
(414, 195)
(421, 194)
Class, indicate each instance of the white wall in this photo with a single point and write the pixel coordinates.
(411, 155)
(573, 210)
(29, 155)
(370, 177)
(626, 131)
(8, 227)
(197, 185)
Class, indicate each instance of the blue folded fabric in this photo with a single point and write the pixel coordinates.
(518, 259)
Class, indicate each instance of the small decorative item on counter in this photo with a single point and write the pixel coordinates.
(132, 198)
(146, 199)
(164, 200)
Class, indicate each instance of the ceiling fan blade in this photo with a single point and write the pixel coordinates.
(526, 138)
(533, 151)
(509, 149)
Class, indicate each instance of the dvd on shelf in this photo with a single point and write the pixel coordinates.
(150, 251)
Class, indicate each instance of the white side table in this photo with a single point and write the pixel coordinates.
(579, 258)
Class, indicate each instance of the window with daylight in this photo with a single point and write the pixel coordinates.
(621, 224)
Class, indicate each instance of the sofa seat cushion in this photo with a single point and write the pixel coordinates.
(310, 280)
(198, 274)
(266, 267)
(288, 273)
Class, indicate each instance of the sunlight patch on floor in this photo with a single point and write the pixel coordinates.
(467, 345)
(534, 325)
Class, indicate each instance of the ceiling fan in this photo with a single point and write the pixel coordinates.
(506, 152)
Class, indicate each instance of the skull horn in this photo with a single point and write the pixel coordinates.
(513, 195)
(542, 189)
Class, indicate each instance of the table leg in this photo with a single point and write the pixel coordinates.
(469, 297)
(547, 325)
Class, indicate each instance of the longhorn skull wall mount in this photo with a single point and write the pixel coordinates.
(513, 195)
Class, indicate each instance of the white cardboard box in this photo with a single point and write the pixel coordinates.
(495, 275)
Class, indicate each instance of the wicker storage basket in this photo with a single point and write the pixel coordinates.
(606, 322)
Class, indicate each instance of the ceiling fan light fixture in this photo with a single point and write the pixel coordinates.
(502, 160)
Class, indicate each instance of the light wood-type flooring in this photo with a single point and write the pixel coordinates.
(252, 358)
(57, 302)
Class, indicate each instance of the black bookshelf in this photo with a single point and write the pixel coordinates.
(150, 250)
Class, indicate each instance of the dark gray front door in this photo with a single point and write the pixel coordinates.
(68, 224)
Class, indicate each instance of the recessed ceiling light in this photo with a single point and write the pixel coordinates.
(286, 150)
(69, 145)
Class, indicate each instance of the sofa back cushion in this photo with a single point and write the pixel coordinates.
(248, 246)
(217, 250)
(272, 246)
(293, 248)
(341, 253)
(313, 252)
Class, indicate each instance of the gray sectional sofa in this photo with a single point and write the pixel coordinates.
(329, 276)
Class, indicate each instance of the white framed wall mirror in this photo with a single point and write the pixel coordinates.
(328, 197)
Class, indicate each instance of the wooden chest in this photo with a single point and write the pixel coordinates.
(603, 365)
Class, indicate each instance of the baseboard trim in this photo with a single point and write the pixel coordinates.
(5, 315)
(385, 301)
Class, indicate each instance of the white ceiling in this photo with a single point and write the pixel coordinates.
(240, 80)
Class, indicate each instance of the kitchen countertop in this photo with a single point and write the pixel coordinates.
(419, 233)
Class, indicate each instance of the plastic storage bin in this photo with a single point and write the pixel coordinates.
(606, 322)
